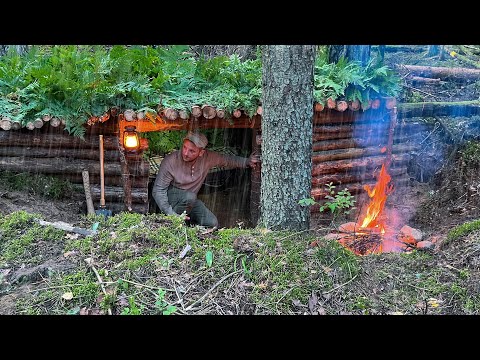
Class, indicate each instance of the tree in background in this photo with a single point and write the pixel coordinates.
(287, 83)
(359, 53)
(20, 49)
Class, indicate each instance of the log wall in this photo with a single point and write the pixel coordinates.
(52, 151)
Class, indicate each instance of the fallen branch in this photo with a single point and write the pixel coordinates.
(89, 262)
(213, 288)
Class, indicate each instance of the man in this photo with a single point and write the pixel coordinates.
(182, 173)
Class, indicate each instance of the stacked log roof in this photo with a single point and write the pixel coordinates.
(205, 112)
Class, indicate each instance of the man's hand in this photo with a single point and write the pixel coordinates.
(253, 160)
(184, 216)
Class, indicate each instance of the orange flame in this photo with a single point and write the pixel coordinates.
(378, 197)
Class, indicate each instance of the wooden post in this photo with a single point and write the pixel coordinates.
(255, 179)
(88, 195)
(393, 123)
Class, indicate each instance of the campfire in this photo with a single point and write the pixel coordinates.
(374, 232)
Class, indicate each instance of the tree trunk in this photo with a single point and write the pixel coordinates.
(360, 53)
(433, 50)
(287, 135)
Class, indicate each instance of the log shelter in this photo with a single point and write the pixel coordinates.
(349, 144)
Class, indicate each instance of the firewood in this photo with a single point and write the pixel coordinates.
(220, 113)
(196, 111)
(375, 104)
(171, 114)
(208, 111)
(366, 106)
(46, 118)
(140, 115)
(319, 106)
(16, 125)
(129, 115)
(6, 123)
(237, 113)
(183, 114)
(331, 103)
(259, 110)
(55, 122)
(38, 123)
(341, 105)
(339, 180)
(30, 125)
(354, 105)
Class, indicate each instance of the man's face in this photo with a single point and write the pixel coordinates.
(190, 151)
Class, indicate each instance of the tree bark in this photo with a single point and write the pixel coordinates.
(287, 135)
(360, 53)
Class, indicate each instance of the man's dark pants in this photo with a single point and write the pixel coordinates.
(183, 200)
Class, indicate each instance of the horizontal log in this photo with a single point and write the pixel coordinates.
(450, 73)
(111, 180)
(117, 207)
(350, 128)
(63, 165)
(352, 153)
(331, 167)
(10, 138)
(425, 80)
(318, 182)
(328, 116)
(42, 152)
(116, 194)
(358, 188)
(430, 109)
(357, 142)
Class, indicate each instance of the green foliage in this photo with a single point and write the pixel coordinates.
(349, 80)
(162, 305)
(38, 184)
(471, 154)
(341, 201)
(133, 309)
(76, 82)
(209, 258)
(463, 229)
(164, 142)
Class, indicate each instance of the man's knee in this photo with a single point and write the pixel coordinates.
(188, 199)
